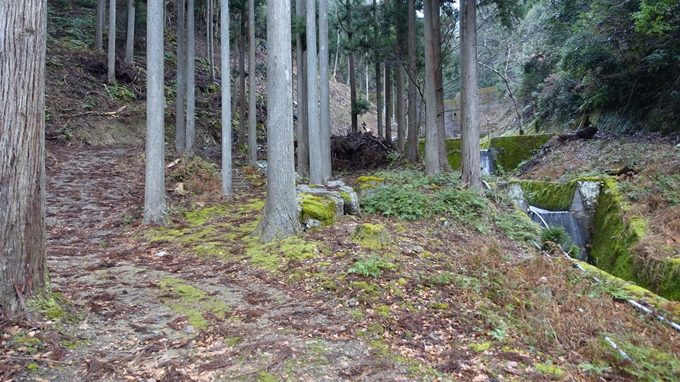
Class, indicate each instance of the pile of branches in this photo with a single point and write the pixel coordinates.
(359, 151)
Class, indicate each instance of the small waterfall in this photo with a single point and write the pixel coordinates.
(487, 162)
(564, 219)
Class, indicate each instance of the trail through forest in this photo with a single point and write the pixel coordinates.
(127, 331)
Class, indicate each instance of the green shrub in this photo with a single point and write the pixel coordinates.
(401, 201)
(555, 235)
(370, 267)
(517, 226)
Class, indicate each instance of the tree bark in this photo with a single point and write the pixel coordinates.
(191, 80)
(154, 186)
(378, 74)
(180, 102)
(22, 153)
(99, 25)
(130, 36)
(242, 80)
(470, 163)
(388, 102)
(350, 69)
(226, 97)
(210, 32)
(252, 122)
(302, 127)
(280, 218)
(324, 92)
(439, 78)
(111, 75)
(401, 120)
(412, 151)
(315, 173)
(432, 161)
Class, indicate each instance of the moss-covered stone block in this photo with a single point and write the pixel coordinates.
(318, 208)
(373, 236)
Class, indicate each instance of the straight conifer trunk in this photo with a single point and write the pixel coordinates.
(191, 80)
(111, 75)
(401, 122)
(302, 131)
(412, 152)
(280, 218)
(324, 90)
(432, 162)
(180, 102)
(252, 123)
(470, 164)
(388, 102)
(439, 78)
(154, 186)
(242, 128)
(225, 89)
(23, 270)
(315, 173)
(130, 36)
(99, 25)
(210, 32)
(378, 74)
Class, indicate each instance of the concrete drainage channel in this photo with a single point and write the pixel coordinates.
(579, 223)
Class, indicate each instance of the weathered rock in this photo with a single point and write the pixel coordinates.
(319, 207)
(517, 196)
(373, 236)
(328, 194)
(348, 195)
(367, 184)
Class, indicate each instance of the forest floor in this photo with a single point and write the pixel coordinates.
(453, 297)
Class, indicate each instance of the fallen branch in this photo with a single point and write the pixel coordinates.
(98, 113)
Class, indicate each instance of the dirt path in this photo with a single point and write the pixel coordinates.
(131, 295)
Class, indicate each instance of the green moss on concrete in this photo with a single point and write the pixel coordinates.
(513, 150)
(373, 236)
(369, 182)
(318, 208)
(192, 302)
(510, 151)
(549, 195)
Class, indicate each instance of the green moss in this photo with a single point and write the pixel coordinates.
(191, 302)
(650, 364)
(382, 310)
(32, 366)
(439, 306)
(275, 255)
(480, 347)
(368, 291)
(369, 182)
(202, 215)
(509, 151)
(549, 195)
(346, 197)
(373, 236)
(263, 376)
(549, 369)
(49, 305)
(318, 208)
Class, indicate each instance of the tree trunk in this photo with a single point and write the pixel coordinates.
(470, 163)
(337, 47)
(401, 120)
(441, 130)
(432, 162)
(280, 218)
(22, 153)
(99, 25)
(191, 80)
(111, 75)
(210, 32)
(315, 173)
(324, 92)
(154, 186)
(366, 74)
(388, 102)
(302, 127)
(350, 69)
(242, 128)
(130, 36)
(180, 102)
(252, 122)
(412, 151)
(378, 74)
(226, 97)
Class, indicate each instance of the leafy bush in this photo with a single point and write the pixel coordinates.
(370, 267)
(403, 202)
(463, 205)
(555, 235)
